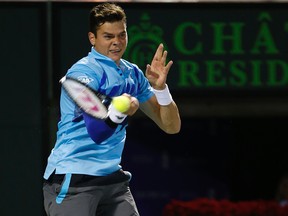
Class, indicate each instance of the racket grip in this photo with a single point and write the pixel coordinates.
(115, 115)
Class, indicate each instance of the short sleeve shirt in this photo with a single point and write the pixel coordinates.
(74, 151)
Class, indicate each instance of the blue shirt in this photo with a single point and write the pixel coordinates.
(74, 151)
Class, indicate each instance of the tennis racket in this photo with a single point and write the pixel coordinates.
(86, 98)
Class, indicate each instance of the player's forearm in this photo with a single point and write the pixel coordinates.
(170, 118)
(100, 130)
(168, 111)
(97, 129)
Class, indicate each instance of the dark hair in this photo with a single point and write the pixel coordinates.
(105, 12)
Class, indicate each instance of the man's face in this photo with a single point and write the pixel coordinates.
(111, 40)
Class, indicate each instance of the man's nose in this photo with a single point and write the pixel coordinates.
(116, 41)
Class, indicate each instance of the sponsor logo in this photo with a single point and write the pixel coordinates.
(84, 79)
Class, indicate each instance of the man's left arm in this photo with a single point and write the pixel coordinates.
(161, 107)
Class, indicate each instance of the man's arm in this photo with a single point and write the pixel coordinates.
(161, 108)
(166, 117)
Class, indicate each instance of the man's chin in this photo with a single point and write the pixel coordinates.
(115, 58)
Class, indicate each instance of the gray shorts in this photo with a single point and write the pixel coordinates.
(104, 200)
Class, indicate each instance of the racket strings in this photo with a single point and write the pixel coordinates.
(86, 98)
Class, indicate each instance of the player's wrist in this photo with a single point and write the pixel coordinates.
(115, 115)
(164, 97)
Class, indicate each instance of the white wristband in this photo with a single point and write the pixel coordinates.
(163, 96)
(115, 115)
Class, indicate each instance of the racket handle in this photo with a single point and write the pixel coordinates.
(115, 115)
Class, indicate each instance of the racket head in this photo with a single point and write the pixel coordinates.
(85, 97)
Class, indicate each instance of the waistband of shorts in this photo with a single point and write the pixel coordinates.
(81, 180)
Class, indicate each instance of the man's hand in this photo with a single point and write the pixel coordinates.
(134, 105)
(157, 72)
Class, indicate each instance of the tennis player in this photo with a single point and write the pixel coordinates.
(83, 176)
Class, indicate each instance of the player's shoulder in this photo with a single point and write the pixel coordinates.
(83, 71)
(86, 64)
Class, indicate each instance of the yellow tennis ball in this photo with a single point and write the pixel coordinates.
(121, 103)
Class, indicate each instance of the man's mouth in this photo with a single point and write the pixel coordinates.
(115, 51)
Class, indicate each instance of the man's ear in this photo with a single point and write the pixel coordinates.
(91, 37)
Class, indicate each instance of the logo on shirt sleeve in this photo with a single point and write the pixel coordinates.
(84, 79)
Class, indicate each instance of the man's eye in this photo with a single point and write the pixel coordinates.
(122, 35)
(108, 36)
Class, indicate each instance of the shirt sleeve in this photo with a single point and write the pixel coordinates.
(145, 91)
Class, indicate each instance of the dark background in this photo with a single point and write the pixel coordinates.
(232, 145)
